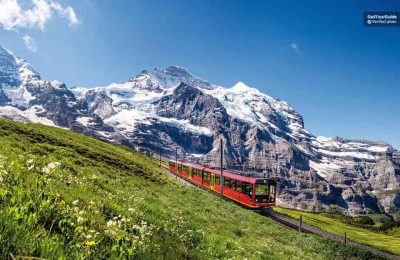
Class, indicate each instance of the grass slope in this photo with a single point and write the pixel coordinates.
(388, 242)
(64, 195)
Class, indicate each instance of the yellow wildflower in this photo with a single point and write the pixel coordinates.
(90, 243)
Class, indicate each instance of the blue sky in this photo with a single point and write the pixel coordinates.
(343, 78)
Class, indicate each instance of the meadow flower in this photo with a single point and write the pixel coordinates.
(75, 202)
(50, 167)
(30, 161)
(111, 223)
(90, 243)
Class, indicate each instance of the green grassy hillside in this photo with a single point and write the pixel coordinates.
(388, 241)
(64, 195)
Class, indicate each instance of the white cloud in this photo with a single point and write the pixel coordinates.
(295, 48)
(30, 43)
(35, 14)
(67, 13)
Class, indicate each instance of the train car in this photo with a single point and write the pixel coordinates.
(248, 191)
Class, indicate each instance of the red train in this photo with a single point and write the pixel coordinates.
(248, 191)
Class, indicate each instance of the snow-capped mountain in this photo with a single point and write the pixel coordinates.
(167, 78)
(169, 108)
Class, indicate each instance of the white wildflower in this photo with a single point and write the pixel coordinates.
(50, 166)
(111, 223)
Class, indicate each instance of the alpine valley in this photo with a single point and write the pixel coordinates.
(171, 108)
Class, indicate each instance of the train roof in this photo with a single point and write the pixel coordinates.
(196, 166)
(229, 174)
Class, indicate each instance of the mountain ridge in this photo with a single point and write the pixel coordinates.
(171, 108)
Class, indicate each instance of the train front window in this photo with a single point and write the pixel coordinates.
(262, 192)
(272, 193)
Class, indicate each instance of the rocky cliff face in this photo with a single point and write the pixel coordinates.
(169, 108)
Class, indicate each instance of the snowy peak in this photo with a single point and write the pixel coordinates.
(240, 87)
(14, 71)
(256, 108)
(26, 72)
(157, 79)
(9, 72)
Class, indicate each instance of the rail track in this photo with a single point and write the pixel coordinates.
(282, 221)
(295, 224)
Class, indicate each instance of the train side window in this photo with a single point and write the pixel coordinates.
(238, 187)
(232, 184)
(247, 189)
(207, 177)
(217, 179)
(227, 182)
